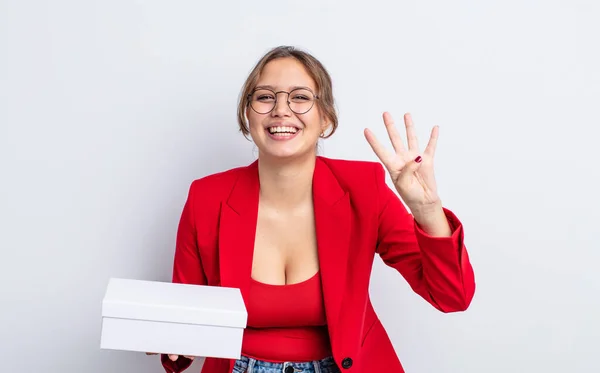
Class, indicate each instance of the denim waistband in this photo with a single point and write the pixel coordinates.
(249, 365)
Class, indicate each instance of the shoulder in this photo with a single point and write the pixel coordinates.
(352, 173)
(218, 180)
(363, 181)
(217, 186)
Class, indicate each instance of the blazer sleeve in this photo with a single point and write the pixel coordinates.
(436, 268)
(187, 267)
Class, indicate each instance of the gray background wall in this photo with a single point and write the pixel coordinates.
(109, 109)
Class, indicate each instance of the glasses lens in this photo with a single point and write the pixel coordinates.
(301, 100)
(262, 101)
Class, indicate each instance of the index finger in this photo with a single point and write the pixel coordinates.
(430, 149)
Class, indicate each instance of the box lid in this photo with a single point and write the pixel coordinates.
(173, 302)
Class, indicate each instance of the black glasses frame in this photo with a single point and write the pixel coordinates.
(316, 97)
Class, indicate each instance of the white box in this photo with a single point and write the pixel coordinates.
(171, 318)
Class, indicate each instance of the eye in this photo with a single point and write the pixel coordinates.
(265, 97)
(301, 95)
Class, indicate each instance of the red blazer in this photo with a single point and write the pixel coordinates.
(357, 216)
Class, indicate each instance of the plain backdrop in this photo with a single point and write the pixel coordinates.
(110, 109)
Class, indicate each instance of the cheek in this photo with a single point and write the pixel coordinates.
(254, 122)
(313, 123)
(319, 121)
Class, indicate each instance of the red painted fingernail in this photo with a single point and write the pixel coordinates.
(418, 159)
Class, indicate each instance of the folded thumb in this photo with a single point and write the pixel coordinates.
(414, 164)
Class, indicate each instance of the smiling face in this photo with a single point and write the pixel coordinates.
(283, 132)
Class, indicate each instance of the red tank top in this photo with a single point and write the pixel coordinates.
(286, 322)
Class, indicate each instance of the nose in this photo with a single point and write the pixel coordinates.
(282, 107)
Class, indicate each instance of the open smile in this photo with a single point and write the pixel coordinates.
(282, 132)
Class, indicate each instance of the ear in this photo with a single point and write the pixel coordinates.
(324, 124)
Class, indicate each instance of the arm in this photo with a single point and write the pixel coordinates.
(436, 266)
(187, 269)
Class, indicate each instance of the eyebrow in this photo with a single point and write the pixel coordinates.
(290, 88)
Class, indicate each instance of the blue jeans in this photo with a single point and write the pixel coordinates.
(249, 365)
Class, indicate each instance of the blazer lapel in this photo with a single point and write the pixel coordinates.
(237, 229)
(333, 225)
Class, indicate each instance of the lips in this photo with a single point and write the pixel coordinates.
(282, 131)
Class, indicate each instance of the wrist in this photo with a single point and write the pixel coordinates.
(428, 212)
(432, 220)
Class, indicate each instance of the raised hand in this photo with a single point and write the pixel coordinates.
(411, 171)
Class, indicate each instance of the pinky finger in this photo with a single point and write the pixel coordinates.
(377, 148)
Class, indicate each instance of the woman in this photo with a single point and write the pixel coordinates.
(297, 232)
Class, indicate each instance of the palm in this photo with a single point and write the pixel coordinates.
(415, 182)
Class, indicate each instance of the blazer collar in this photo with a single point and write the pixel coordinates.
(244, 196)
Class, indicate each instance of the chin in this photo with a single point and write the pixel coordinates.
(284, 148)
(284, 154)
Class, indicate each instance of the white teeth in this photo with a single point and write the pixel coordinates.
(283, 129)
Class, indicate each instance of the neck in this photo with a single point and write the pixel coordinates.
(286, 183)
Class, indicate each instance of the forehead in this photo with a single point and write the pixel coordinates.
(285, 73)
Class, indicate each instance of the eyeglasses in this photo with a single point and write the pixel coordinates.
(299, 100)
